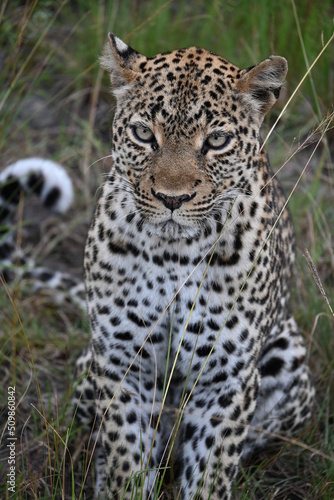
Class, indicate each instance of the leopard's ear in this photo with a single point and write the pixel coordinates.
(121, 61)
(260, 85)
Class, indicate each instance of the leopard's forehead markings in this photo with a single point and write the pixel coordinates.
(188, 82)
(192, 59)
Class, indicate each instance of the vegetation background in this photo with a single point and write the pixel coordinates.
(55, 103)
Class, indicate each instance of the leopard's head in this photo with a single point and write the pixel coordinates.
(186, 132)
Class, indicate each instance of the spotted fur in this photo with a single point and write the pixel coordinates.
(187, 263)
(50, 182)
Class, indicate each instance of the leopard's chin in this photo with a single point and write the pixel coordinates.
(172, 231)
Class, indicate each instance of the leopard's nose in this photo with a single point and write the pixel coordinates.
(173, 202)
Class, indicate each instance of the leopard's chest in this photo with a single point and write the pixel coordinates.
(181, 299)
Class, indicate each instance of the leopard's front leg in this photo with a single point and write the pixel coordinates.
(215, 426)
(129, 435)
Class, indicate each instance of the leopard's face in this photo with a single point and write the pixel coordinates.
(186, 137)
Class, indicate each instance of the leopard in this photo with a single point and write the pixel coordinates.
(196, 361)
(50, 182)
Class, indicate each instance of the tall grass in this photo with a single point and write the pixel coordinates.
(55, 102)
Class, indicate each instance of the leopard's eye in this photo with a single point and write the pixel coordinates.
(217, 141)
(143, 134)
